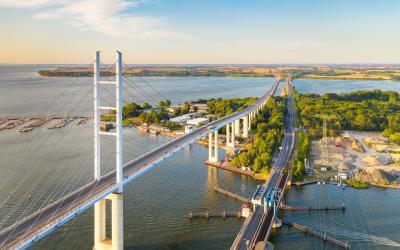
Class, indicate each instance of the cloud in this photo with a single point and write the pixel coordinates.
(109, 17)
(24, 3)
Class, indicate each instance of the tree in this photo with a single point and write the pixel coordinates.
(143, 117)
(185, 108)
(244, 160)
(258, 165)
(131, 110)
(262, 127)
(146, 105)
(168, 103)
(177, 111)
(300, 170)
(395, 138)
(161, 104)
(235, 161)
(266, 159)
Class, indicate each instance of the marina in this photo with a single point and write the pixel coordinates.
(35, 122)
(179, 179)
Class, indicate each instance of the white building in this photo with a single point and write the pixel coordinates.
(184, 118)
(198, 121)
(189, 128)
(181, 119)
(245, 210)
(342, 175)
(201, 107)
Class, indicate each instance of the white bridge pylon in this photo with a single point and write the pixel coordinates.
(117, 240)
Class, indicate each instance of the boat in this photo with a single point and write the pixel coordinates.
(25, 129)
(81, 121)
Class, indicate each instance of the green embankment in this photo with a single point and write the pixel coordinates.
(357, 184)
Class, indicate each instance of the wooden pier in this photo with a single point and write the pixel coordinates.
(232, 195)
(208, 215)
(302, 183)
(226, 166)
(322, 236)
(292, 208)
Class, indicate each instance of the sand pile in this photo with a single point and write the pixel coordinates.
(375, 176)
(374, 160)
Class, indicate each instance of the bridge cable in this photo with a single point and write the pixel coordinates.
(34, 168)
(38, 147)
(147, 83)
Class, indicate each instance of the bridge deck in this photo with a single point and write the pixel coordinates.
(27, 231)
(260, 223)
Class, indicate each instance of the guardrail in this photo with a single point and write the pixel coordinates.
(67, 215)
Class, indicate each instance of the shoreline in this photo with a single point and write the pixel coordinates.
(240, 76)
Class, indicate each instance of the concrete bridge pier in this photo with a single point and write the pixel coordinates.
(237, 127)
(245, 133)
(230, 135)
(213, 149)
(277, 222)
(250, 118)
(117, 231)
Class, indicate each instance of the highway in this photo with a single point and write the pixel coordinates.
(34, 227)
(257, 228)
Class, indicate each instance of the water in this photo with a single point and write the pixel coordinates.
(50, 163)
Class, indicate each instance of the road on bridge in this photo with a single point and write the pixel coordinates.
(36, 226)
(257, 227)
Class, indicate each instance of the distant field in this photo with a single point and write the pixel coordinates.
(380, 72)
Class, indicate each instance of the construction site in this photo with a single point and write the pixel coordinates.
(366, 157)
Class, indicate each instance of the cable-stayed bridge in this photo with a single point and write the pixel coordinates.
(32, 228)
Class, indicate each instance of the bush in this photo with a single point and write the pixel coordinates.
(357, 184)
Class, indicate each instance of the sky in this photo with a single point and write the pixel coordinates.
(200, 31)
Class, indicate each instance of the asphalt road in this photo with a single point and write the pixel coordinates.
(260, 222)
(60, 211)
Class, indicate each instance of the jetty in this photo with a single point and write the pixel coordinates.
(302, 183)
(208, 215)
(225, 165)
(326, 208)
(232, 195)
(322, 236)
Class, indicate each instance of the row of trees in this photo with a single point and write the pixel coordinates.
(131, 110)
(267, 136)
(298, 170)
(223, 107)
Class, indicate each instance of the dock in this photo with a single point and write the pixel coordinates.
(208, 215)
(302, 183)
(293, 208)
(225, 166)
(232, 195)
(322, 236)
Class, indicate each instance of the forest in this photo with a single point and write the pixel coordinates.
(223, 107)
(373, 110)
(268, 129)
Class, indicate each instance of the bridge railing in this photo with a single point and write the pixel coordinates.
(40, 211)
(77, 207)
(63, 217)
